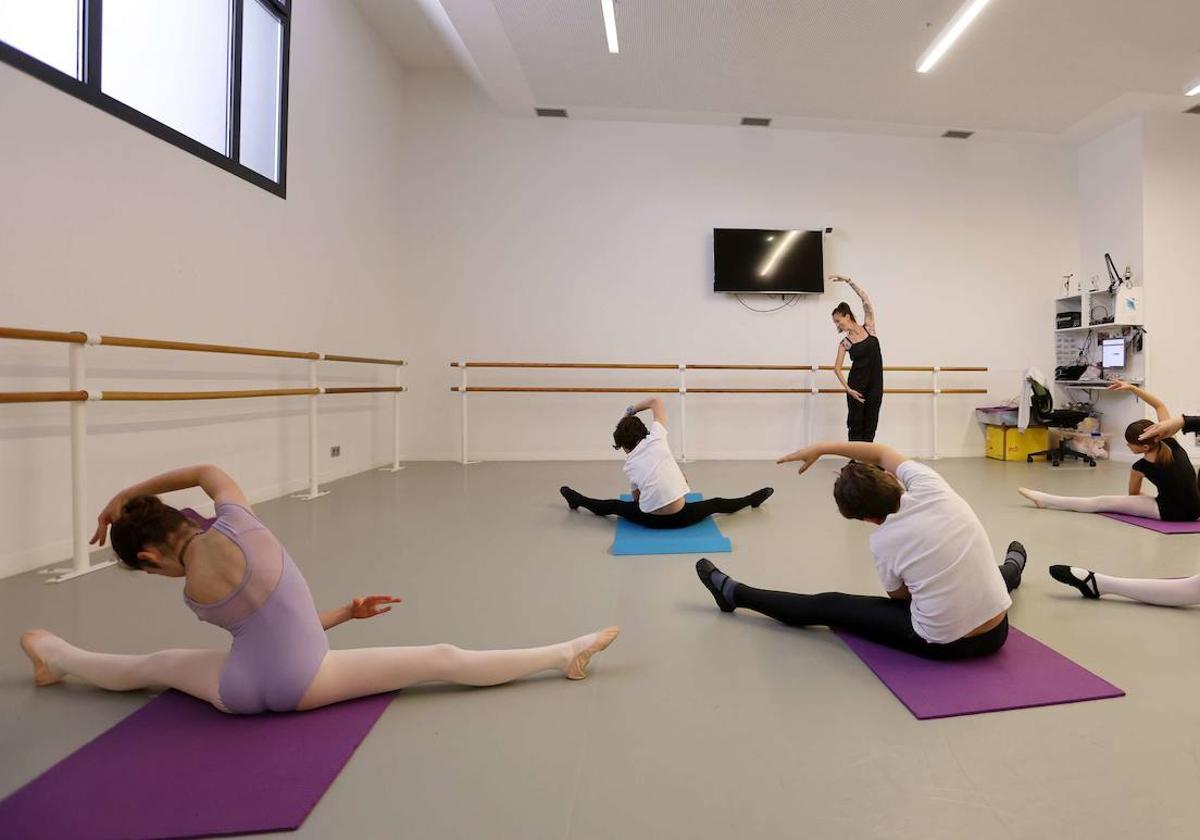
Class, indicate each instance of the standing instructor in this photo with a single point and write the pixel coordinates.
(864, 389)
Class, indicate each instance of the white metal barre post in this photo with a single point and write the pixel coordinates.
(314, 489)
(462, 392)
(395, 467)
(937, 392)
(79, 537)
(683, 413)
(812, 404)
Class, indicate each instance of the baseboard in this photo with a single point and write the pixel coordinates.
(753, 455)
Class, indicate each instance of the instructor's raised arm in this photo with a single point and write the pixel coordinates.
(868, 307)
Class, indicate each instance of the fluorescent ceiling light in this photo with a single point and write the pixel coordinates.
(778, 251)
(1194, 91)
(610, 25)
(957, 25)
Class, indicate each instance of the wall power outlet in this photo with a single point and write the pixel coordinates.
(335, 451)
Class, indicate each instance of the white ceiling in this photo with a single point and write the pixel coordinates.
(1040, 69)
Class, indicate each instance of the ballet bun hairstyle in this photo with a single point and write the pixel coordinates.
(629, 433)
(1133, 434)
(144, 521)
(843, 308)
(865, 491)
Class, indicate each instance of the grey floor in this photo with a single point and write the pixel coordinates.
(695, 724)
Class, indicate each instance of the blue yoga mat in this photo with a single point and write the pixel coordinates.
(702, 538)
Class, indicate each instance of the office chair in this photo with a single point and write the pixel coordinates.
(1042, 413)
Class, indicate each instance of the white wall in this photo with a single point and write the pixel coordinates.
(1138, 185)
(108, 229)
(590, 241)
(1111, 220)
(1172, 256)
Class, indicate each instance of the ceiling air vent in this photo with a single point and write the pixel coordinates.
(957, 134)
(551, 112)
(1195, 109)
(761, 122)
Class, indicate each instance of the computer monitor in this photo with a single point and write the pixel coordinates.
(1112, 353)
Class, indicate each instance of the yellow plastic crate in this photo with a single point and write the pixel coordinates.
(995, 442)
(1007, 443)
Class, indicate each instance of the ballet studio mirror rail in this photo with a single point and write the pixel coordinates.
(79, 395)
(811, 387)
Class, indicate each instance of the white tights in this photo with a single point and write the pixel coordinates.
(1165, 592)
(343, 675)
(195, 672)
(1144, 506)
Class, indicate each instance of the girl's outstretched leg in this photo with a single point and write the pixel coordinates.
(1144, 506)
(346, 674)
(194, 672)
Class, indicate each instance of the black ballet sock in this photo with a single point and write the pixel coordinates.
(758, 497)
(1086, 585)
(1014, 562)
(719, 584)
(1016, 554)
(573, 499)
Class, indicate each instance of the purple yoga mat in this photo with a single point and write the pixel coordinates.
(1023, 674)
(179, 768)
(1157, 524)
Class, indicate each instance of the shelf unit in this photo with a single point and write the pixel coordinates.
(1083, 342)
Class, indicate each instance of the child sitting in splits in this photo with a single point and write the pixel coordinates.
(658, 486)
(1163, 592)
(945, 597)
(1163, 462)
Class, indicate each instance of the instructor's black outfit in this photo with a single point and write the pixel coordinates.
(866, 377)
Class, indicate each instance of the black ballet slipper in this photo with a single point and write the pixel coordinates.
(1087, 587)
(571, 496)
(704, 570)
(760, 496)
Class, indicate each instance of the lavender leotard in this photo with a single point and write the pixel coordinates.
(278, 641)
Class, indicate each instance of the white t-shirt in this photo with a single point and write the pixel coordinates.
(651, 468)
(936, 546)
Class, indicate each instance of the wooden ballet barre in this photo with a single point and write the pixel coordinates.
(522, 389)
(566, 365)
(154, 344)
(530, 389)
(365, 360)
(189, 346)
(662, 366)
(168, 396)
(376, 390)
(43, 335)
(749, 367)
(42, 396)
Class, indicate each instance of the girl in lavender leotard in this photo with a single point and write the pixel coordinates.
(239, 577)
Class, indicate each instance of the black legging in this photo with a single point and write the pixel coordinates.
(691, 513)
(862, 418)
(886, 621)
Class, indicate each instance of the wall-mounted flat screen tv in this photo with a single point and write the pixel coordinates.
(768, 262)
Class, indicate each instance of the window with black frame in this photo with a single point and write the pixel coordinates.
(208, 76)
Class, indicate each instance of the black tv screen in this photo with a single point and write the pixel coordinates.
(768, 262)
